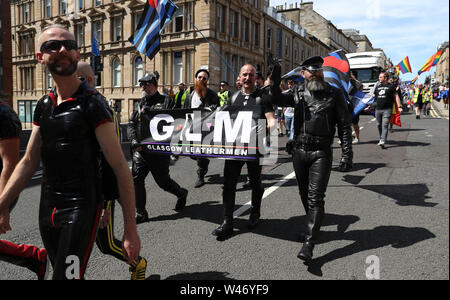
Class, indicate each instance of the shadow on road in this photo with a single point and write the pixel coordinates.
(403, 194)
(364, 240)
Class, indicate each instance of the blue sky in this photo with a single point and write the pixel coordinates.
(401, 28)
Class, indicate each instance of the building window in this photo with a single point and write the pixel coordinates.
(220, 18)
(166, 67)
(136, 18)
(98, 2)
(26, 44)
(269, 38)
(62, 7)
(234, 24)
(79, 34)
(188, 68)
(26, 78)
(255, 35)
(79, 5)
(245, 29)
(117, 29)
(117, 72)
(138, 70)
(48, 8)
(287, 47)
(25, 109)
(177, 67)
(48, 80)
(98, 31)
(178, 21)
(296, 50)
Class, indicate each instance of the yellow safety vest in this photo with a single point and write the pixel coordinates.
(183, 97)
(416, 95)
(224, 97)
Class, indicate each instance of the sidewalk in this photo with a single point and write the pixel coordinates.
(438, 108)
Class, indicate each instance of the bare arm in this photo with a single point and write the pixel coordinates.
(113, 153)
(20, 177)
(399, 103)
(9, 153)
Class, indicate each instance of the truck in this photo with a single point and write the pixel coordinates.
(366, 66)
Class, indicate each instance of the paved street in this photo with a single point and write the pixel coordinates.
(392, 208)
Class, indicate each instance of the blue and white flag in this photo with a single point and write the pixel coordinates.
(147, 39)
(95, 50)
(360, 101)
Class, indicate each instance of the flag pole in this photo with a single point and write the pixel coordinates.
(210, 44)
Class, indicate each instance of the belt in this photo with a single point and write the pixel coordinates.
(311, 143)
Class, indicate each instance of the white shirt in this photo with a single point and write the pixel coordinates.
(195, 101)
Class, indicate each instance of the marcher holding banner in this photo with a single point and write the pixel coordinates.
(144, 162)
(249, 95)
(319, 107)
(202, 97)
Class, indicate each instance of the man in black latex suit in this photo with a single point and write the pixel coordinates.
(319, 107)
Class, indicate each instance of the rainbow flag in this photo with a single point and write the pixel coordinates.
(432, 61)
(436, 58)
(405, 66)
(415, 79)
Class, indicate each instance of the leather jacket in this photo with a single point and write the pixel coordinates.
(155, 102)
(317, 115)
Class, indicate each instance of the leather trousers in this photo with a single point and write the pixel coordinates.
(158, 165)
(312, 170)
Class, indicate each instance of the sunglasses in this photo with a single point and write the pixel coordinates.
(144, 84)
(55, 45)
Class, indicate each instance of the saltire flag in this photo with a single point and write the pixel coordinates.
(405, 66)
(431, 62)
(395, 118)
(147, 38)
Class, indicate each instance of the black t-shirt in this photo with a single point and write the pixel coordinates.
(258, 97)
(385, 95)
(10, 126)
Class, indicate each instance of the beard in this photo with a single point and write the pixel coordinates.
(201, 89)
(56, 68)
(316, 84)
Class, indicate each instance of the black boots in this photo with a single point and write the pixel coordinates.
(253, 220)
(141, 217)
(315, 217)
(200, 181)
(306, 252)
(181, 202)
(225, 230)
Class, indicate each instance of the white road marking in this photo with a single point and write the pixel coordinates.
(267, 192)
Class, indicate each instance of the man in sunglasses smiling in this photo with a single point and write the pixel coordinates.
(70, 126)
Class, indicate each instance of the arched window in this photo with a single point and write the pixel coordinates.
(138, 70)
(117, 72)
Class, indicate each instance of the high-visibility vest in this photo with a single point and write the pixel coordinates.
(224, 97)
(183, 97)
(428, 96)
(416, 95)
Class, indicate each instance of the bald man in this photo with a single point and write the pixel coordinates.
(105, 239)
(249, 95)
(71, 124)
